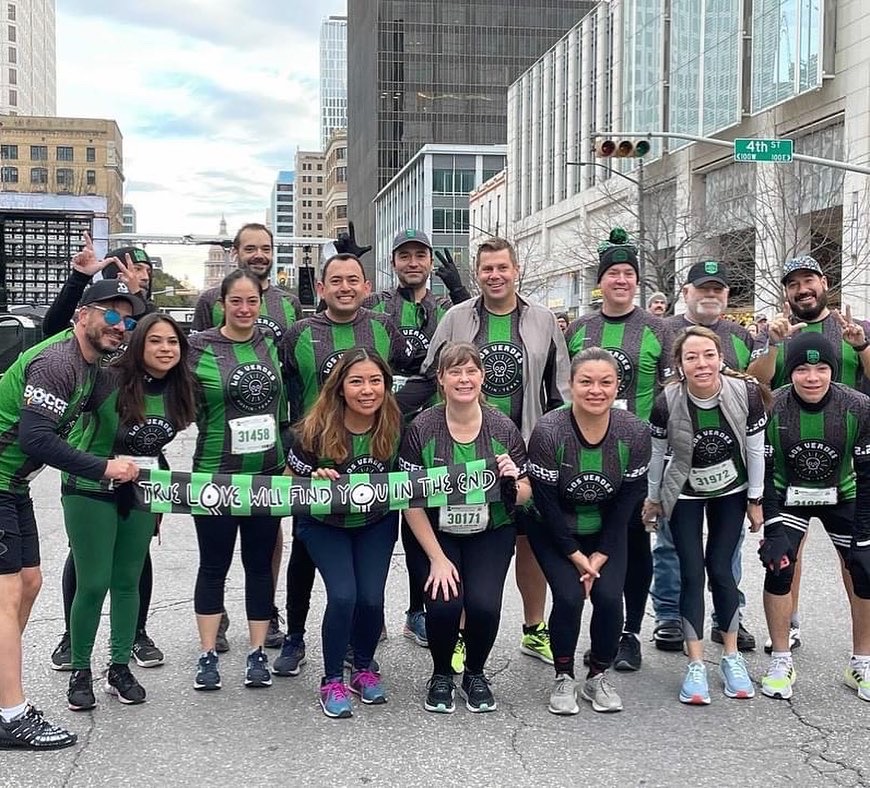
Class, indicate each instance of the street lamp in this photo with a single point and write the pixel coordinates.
(641, 234)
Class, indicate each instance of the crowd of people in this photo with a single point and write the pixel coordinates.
(603, 431)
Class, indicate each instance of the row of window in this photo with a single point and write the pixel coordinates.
(40, 153)
(64, 176)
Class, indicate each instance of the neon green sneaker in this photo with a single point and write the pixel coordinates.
(536, 643)
(857, 676)
(780, 676)
(457, 661)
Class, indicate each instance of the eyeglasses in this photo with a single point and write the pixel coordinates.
(113, 317)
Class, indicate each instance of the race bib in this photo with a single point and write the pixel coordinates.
(714, 477)
(811, 496)
(252, 434)
(620, 404)
(31, 476)
(145, 463)
(463, 519)
(399, 382)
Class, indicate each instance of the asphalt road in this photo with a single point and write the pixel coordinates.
(279, 736)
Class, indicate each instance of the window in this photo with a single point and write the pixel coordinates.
(64, 153)
(13, 55)
(11, 34)
(13, 76)
(9, 174)
(341, 212)
(38, 175)
(10, 12)
(448, 220)
(64, 178)
(13, 98)
(8, 151)
(90, 154)
(39, 152)
(91, 177)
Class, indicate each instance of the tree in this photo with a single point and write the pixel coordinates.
(166, 288)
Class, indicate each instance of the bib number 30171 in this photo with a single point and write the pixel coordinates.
(252, 434)
(463, 519)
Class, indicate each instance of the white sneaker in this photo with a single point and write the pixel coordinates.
(601, 694)
(779, 679)
(563, 696)
(794, 640)
(857, 676)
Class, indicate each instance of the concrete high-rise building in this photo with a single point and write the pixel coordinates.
(335, 202)
(28, 69)
(310, 196)
(333, 76)
(282, 220)
(128, 218)
(424, 72)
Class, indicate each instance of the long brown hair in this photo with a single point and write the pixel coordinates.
(322, 431)
(180, 391)
(707, 333)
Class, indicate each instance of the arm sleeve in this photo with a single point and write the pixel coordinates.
(544, 476)
(557, 371)
(770, 499)
(39, 440)
(517, 451)
(861, 454)
(292, 380)
(410, 453)
(666, 358)
(658, 428)
(299, 461)
(755, 464)
(60, 313)
(617, 513)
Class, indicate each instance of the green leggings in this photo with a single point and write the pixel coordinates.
(109, 551)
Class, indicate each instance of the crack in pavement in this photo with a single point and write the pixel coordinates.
(83, 744)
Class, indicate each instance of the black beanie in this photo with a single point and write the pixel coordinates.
(810, 347)
(615, 250)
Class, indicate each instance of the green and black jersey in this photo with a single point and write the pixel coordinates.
(851, 370)
(716, 456)
(587, 477)
(51, 379)
(429, 444)
(739, 347)
(812, 446)
(359, 460)
(242, 418)
(278, 311)
(313, 346)
(103, 434)
(501, 351)
(642, 345)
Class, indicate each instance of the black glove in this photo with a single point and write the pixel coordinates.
(508, 486)
(858, 558)
(125, 498)
(448, 273)
(775, 550)
(346, 243)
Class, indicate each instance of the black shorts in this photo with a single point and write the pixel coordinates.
(19, 538)
(837, 521)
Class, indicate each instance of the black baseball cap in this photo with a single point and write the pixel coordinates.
(137, 255)
(112, 290)
(707, 271)
(411, 236)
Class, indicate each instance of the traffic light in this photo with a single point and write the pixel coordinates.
(306, 285)
(621, 149)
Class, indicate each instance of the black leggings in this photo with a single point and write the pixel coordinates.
(482, 561)
(146, 584)
(300, 582)
(569, 595)
(417, 565)
(217, 540)
(725, 516)
(639, 572)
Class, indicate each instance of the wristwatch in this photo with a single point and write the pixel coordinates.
(754, 501)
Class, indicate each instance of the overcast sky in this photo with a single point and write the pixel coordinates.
(211, 100)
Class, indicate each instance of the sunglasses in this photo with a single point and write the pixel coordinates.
(112, 317)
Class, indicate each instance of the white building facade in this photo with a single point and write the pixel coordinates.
(713, 68)
(282, 220)
(28, 67)
(431, 193)
(333, 77)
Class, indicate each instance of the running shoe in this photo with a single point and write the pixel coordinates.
(368, 686)
(415, 628)
(478, 695)
(121, 683)
(374, 666)
(794, 640)
(221, 644)
(628, 656)
(857, 676)
(207, 676)
(257, 670)
(30, 730)
(146, 654)
(563, 696)
(745, 639)
(335, 699)
(457, 661)
(61, 657)
(80, 694)
(439, 694)
(779, 679)
(274, 635)
(536, 643)
(735, 676)
(601, 694)
(292, 657)
(695, 690)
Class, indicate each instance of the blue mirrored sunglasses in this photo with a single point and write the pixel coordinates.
(112, 317)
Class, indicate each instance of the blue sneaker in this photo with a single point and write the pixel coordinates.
(335, 699)
(292, 656)
(415, 628)
(257, 670)
(207, 676)
(695, 690)
(367, 684)
(733, 670)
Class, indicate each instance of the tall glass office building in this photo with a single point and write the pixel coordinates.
(435, 71)
(333, 77)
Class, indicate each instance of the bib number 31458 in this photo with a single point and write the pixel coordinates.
(252, 434)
